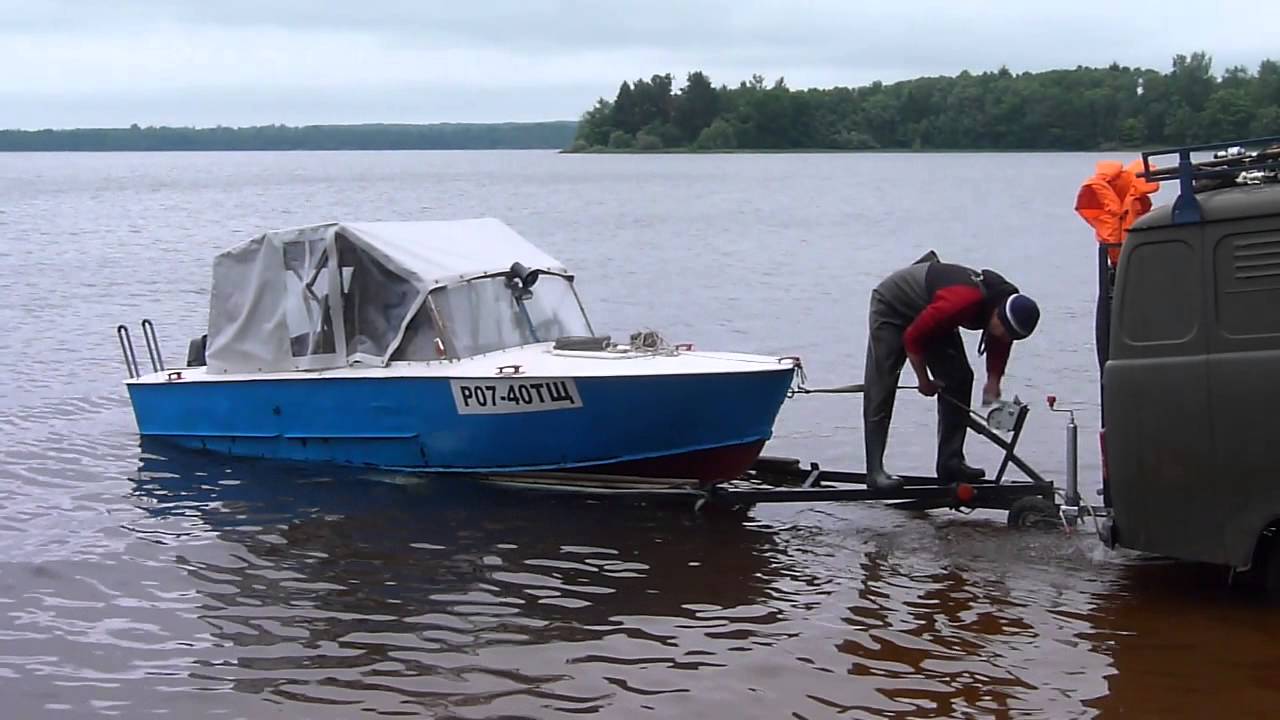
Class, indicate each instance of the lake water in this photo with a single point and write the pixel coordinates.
(154, 583)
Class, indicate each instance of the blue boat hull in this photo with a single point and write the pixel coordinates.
(708, 426)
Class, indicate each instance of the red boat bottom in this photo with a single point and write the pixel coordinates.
(710, 465)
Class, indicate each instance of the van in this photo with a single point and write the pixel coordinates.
(1191, 373)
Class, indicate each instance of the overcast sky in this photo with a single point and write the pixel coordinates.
(68, 63)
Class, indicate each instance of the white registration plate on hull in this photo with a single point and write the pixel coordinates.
(511, 395)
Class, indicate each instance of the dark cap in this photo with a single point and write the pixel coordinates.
(1019, 314)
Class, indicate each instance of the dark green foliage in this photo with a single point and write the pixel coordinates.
(1266, 122)
(645, 141)
(596, 125)
(445, 136)
(696, 107)
(718, 136)
(1078, 109)
(620, 140)
(625, 113)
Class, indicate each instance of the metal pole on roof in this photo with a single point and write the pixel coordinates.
(1186, 209)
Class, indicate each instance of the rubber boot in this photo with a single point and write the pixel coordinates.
(960, 472)
(953, 424)
(876, 435)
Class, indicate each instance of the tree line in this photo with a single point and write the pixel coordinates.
(441, 136)
(1084, 108)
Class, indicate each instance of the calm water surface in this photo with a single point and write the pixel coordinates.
(148, 582)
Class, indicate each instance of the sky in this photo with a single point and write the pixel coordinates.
(110, 63)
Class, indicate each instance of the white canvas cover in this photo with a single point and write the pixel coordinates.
(334, 294)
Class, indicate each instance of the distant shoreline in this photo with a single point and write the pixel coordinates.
(212, 151)
(1103, 109)
(550, 135)
(609, 151)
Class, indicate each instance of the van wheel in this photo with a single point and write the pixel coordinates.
(1034, 513)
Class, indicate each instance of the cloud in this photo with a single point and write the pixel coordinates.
(553, 57)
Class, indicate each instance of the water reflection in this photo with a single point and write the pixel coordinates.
(439, 592)
(1184, 644)
(316, 597)
(351, 591)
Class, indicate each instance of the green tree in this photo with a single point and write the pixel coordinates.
(595, 127)
(1192, 79)
(1267, 83)
(1180, 125)
(1132, 132)
(646, 141)
(668, 135)
(1227, 115)
(853, 140)
(620, 140)
(1266, 122)
(696, 107)
(625, 113)
(718, 136)
(768, 114)
(653, 99)
(1236, 77)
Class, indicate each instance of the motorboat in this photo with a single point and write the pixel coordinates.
(444, 347)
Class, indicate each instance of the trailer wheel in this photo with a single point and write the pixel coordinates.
(1034, 513)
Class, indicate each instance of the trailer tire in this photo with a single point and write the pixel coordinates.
(1034, 513)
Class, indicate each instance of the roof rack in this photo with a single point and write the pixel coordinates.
(1233, 161)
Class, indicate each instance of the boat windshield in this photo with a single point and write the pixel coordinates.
(485, 314)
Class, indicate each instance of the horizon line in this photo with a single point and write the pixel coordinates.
(139, 127)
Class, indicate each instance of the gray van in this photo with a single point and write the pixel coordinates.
(1191, 375)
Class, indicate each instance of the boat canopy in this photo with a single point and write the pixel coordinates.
(338, 294)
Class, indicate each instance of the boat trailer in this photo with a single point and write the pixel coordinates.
(1030, 502)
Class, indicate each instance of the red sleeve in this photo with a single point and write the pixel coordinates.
(951, 306)
(997, 357)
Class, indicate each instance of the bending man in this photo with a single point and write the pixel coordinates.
(916, 315)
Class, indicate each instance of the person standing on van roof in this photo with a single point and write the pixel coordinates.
(916, 315)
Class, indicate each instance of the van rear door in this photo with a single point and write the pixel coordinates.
(1156, 399)
(1244, 377)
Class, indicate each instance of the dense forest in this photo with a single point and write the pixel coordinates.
(1081, 109)
(443, 136)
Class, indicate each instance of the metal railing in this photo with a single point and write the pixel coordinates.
(131, 357)
(126, 347)
(153, 345)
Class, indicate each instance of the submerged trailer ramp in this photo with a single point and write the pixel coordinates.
(1029, 502)
(787, 480)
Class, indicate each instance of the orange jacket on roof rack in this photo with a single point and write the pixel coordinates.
(1112, 200)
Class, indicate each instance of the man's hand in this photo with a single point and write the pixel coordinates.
(927, 386)
(990, 391)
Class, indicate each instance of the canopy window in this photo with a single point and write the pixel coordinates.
(377, 302)
(308, 302)
(486, 314)
(353, 294)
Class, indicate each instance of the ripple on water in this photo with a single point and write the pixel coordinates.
(138, 582)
